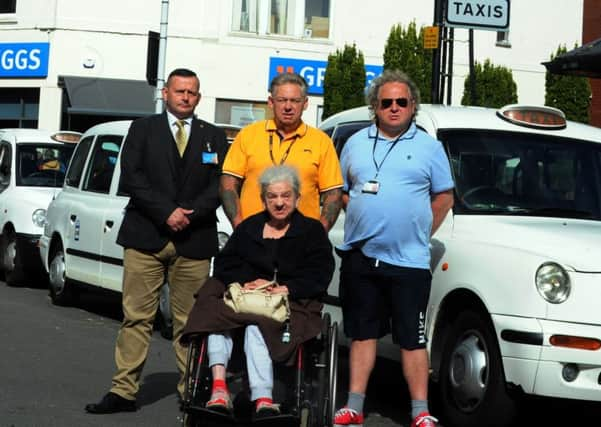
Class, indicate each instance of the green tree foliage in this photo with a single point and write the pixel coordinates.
(405, 51)
(571, 94)
(495, 86)
(344, 81)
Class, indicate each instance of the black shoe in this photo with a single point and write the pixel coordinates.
(110, 404)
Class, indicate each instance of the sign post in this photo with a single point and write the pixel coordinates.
(491, 15)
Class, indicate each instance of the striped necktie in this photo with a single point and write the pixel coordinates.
(181, 139)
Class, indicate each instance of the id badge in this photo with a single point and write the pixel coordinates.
(371, 187)
(209, 158)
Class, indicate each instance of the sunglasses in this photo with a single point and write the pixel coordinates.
(387, 102)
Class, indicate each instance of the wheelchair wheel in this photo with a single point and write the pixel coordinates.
(323, 399)
(332, 374)
(197, 382)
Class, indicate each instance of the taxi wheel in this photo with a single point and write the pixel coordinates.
(11, 259)
(61, 292)
(472, 382)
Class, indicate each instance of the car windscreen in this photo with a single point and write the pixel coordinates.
(42, 165)
(511, 173)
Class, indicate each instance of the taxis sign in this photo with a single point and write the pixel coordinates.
(478, 14)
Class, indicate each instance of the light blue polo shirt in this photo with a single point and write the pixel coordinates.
(393, 225)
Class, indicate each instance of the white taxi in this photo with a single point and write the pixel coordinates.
(516, 265)
(78, 246)
(32, 170)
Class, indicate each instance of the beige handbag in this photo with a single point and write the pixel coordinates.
(257, 301)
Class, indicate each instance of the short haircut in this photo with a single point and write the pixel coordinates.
(181, 72)
(390, 76)
(279, 173)
(286, 78)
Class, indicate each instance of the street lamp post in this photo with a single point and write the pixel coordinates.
(158, 107)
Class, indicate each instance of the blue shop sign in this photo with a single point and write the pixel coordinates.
(24, 59)
(312, 71)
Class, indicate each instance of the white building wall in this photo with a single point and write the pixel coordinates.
(108, 39)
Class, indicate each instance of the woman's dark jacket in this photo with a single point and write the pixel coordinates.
(305, 264)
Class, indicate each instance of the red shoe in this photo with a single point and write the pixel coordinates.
(220, 401)
(348, 417)
(424, 420)
(266, 409)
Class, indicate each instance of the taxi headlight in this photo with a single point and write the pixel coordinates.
(39, 217)
(553, 282)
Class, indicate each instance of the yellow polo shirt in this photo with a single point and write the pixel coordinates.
(309, 150)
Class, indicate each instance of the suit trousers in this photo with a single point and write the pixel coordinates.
(143, 275)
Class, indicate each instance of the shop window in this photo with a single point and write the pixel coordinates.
(19, 107)
(241, 113)
(8, 6)
(296, 18)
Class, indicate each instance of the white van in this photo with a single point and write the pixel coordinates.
(516, 265)
(79, 243)
(32, 170)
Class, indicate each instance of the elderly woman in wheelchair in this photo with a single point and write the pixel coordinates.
(282, 248)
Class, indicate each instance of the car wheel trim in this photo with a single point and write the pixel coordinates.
(468, 371)
(57, 273)
(10, 252)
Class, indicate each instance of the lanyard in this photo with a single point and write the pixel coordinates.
(285, 156)
(373, 151)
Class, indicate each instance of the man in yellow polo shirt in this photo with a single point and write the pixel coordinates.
(283, 140)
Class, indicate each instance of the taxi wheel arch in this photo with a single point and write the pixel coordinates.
(471, 379)
(12, 265)
(61, 291)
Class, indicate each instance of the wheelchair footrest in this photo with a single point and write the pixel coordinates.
(283, 420)
(212, 415)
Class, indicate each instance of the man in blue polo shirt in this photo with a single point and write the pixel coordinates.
(397, 190)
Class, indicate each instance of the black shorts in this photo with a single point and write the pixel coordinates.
(378, 298)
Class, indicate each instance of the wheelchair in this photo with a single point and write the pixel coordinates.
(306, 390)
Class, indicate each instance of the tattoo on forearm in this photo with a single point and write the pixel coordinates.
(229, 200)
(332, 203)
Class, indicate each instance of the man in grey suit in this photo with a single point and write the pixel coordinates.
(170, 168)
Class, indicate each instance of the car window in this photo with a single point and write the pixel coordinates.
(509, 172)
(5, 160)
(78, 161)
(102, 163)
(42, 164)
(344, 131)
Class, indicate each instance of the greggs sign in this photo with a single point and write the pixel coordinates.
(312, 71)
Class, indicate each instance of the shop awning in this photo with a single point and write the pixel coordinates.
(583, 61)
(108, 97)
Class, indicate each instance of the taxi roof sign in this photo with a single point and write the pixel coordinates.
(533, 116)
(70, 137)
